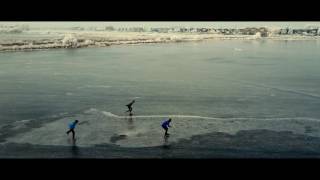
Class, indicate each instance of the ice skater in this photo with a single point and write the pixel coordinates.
(72, 126)
(130, 106)
(165, 125)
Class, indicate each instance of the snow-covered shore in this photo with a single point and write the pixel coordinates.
(80, 39)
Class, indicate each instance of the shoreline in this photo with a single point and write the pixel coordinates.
(96, 40)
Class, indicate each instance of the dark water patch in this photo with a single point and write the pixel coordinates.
(214, 59)
(245, 144)
(115, 138)
(258, 64)
(19, 127)
(309, 129)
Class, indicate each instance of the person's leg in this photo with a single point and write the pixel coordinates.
(73, 134)
(69, 131)
(166, 133)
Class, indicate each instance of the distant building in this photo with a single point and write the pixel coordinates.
(77, 28)
(297, 31)
(109, 28)
(136, 29)
(211, 30)
(264, 31)
(312, 32)
(99, 29)
(284, 31)
(160, 30)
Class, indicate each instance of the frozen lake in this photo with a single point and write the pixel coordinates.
(205, 87)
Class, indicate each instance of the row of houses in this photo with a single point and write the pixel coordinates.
(289, 31)
(133, 29)
(183, 30)
(246, 31)
(264, 32)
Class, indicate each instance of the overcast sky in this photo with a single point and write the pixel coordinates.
(217, 24)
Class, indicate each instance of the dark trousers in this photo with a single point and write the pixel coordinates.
(130, 109)
(166, 129)
(73, 133)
